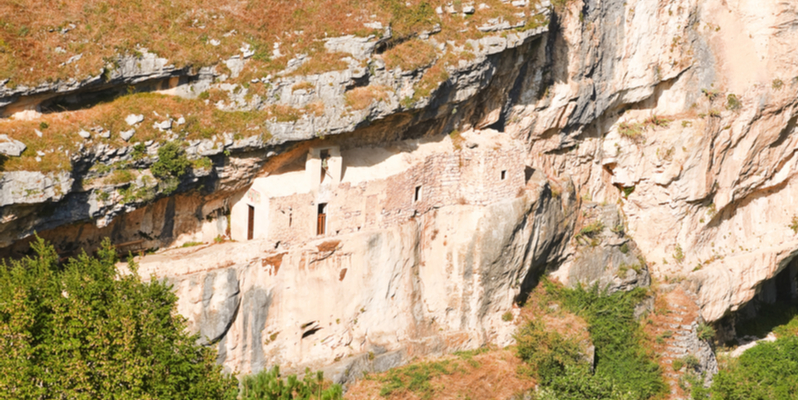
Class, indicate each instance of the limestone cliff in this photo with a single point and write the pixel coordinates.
(660, 138)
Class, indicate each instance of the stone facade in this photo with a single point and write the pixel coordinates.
(359, 190)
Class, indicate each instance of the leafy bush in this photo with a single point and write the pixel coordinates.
(139, 151)
(172, 162)
(416, 377)
(677, 364)
(508, 316)
(705, 331)
(733, 103)
(82, 330)
(625, 368)
(268, 385)
(548, 353)
(766, 371)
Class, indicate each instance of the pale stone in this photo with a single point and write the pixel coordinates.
(127, 135)
(133, 119)
(11, 147)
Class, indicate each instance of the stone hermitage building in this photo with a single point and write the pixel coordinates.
(333, 190)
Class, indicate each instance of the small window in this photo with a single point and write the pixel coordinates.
(417, 193)
(503, 175)
(321, 218)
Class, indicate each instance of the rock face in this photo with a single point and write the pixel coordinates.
(423, 287)
(639, 115)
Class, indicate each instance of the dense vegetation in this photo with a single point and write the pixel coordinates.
(767, 371)
(81, 330)
(624, 368)
(268, 385)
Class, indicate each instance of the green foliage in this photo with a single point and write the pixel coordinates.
(624, 248)
(508, 316)
(268, 385)
(624, 370)
(202, 163)
(627, 190)
(578, 383)
(777, 84)
(172, 162)
(705, 332)
(678, 254)
(43, 125)
(766, 371)
(677, 364)
(793, 225)
(139, 151)
(416, 378)
(592, 229)
(548, 353)
(81, 330)
(733, 103)
(631, 130)
(407, 20)
(120, 176)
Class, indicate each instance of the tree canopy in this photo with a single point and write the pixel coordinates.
(81, 330)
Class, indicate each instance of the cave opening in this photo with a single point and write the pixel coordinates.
(774, 305)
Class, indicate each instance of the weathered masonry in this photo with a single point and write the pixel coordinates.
(332, 190)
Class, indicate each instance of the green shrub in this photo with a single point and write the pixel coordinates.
(766, 371)
(415, 377)
(705, 332)
(172, 162)
(733, 103)
(268, 385)
(139, 151)
(677, 364)
(508, 316)
(82, 330)
(592, 229)
(678, 254)
(548, 353)
(691, 361)
(624, 368)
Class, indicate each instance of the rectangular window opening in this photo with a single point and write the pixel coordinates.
(321, 218)
(251, 216)
(417, 193)
(503, 175)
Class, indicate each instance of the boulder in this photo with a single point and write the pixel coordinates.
(11, 147)
(134, 119)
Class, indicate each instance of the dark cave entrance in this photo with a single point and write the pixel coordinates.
(774, 304)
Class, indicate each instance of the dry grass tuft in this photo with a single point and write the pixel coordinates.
(362, 97)
(60, 139)
(410, 55)
(477, 374)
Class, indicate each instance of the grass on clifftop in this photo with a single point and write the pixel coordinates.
(61, 132)
(46, 41)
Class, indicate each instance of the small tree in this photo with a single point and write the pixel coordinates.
(172, 162)
(82, 330)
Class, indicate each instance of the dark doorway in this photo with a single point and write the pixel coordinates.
(321, 216)
(251, 217)
(417, 193)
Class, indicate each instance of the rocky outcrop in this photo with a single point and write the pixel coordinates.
(643, 110)
(370, 300)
